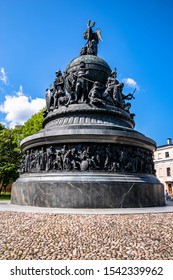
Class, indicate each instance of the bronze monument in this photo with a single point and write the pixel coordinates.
(88, 154)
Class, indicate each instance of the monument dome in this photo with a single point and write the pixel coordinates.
(98, 69)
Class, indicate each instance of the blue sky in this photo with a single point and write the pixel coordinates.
(39, 37)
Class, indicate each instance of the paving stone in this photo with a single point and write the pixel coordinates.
(48, 236)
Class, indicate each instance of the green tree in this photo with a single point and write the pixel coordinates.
(33, 125)
(1, 126)
(10, 156)
(10, 153)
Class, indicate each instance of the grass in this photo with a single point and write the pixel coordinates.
(5, 196)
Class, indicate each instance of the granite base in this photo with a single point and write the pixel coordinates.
(88, 191)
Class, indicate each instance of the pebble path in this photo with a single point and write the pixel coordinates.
(42, 236)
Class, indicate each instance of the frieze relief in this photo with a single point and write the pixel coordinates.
(88, 157)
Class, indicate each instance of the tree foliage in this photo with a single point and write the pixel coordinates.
(1, 126)
(9, 156)
(10, 153)
(33, 125)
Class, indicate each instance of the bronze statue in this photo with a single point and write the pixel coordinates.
(58, 88)
(81, 89)
(95, 94)
(92, 39)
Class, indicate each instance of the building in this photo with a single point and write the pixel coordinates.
(163, 160)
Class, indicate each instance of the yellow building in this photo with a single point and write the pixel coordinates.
(163, 160)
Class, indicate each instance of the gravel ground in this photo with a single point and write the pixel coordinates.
(86, 237)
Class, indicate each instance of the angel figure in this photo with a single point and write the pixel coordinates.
(92, 38)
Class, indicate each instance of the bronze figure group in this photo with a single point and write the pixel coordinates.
(82, 89)
(83, 157)
(77, 86)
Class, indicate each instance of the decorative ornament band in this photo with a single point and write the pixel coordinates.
(86, 157)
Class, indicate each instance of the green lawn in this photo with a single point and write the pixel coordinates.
(5, 196)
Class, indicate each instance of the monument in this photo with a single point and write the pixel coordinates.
(88, 154)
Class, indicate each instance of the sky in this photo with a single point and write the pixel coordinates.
(40, 37)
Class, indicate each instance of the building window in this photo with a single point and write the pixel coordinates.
(168, 171)
(160, 172)
(159, 155)
(166, 154)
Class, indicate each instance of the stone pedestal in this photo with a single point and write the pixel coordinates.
(110, 164)
(88, 190)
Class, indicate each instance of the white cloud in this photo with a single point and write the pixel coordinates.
(3, 76)
(18, 108)
(131, 83)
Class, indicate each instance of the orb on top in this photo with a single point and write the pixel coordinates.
(97, 69)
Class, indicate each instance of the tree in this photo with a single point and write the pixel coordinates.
(10, 156)
(33, 125)
(10, 153)
(1, 126)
